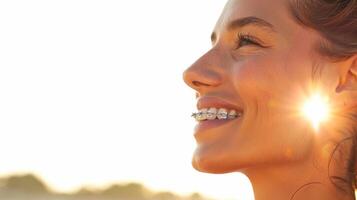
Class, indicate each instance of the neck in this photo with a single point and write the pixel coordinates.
(307, 181)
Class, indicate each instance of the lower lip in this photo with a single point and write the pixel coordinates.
(203, 126)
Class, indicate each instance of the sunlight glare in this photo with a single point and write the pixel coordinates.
(316, 110)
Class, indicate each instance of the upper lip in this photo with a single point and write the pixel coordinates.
(215, 102)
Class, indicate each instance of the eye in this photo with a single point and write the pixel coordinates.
(246, 39)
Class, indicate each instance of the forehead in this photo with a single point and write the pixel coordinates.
(275, 12)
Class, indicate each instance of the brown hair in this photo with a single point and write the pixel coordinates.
(336, 22)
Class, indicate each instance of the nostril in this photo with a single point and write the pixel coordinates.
(198, 77)
(198, 84)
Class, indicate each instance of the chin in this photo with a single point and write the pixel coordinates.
(210, 165)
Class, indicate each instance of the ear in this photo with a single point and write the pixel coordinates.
(348, 76)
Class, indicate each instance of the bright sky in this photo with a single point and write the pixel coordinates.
(91, 92)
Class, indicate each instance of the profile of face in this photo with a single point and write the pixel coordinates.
(262, 64)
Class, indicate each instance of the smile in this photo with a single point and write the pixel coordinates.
(216, 113)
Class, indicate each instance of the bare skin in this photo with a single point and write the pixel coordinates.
(268, 74)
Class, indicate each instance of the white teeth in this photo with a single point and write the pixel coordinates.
(232, 114)
(222, 113)
(199, 116)
(202, 114)
(213, 113)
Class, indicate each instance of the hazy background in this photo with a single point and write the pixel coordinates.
(91, 93)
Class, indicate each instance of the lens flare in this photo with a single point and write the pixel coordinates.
(316, 110)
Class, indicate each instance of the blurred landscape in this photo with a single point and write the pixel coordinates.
(30, 187)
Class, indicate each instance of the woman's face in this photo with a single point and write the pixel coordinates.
(263, 63)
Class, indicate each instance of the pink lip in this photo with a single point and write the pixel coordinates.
(209, 102)
(206, 128)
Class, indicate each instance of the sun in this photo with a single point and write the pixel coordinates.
(316, 110)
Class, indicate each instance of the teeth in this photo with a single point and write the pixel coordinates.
(232, 114)
(202, 114)
(213, 113)
(199, 116)
(222, 114)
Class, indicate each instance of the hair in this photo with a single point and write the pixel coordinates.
(336, 22)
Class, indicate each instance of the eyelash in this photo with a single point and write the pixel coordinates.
(248, 38)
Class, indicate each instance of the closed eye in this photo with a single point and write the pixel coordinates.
(245, 40)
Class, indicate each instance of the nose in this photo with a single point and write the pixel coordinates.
(203, 74)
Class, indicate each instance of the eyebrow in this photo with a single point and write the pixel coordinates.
(241, 22)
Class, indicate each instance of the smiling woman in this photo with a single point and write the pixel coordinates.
(267, 58)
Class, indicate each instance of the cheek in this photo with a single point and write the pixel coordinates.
(272, 128)
(259, 82)
(278, 79)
